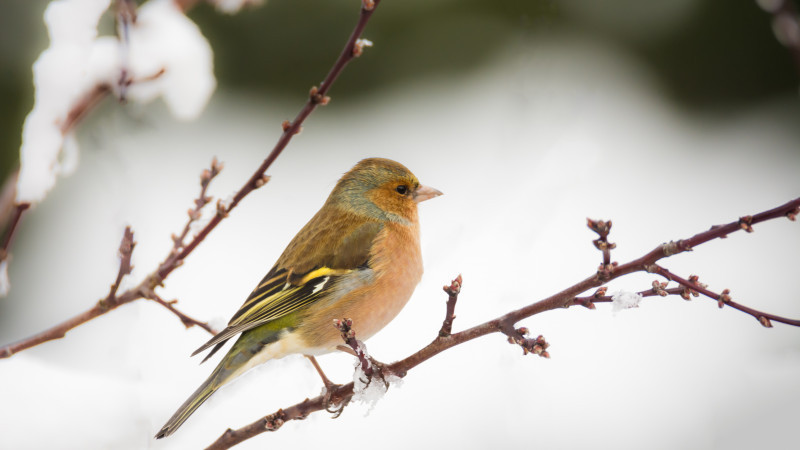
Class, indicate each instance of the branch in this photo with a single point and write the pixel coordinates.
(174, 260)
(103, 306)
(317, 96)
(345, 326)
(181, 249)
(187, 321)
(519, 336)
(602, 228)
(13, 224)
(125, 267)
(693, 287)
(452, 297)
(125, 15)
(111, 301)
(505, 324)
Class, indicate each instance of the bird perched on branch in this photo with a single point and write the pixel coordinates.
(358, 257)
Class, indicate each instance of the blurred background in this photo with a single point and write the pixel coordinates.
(664, 116)
(712, 57)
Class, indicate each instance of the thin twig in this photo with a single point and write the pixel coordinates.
(126, 14)
(659, 289)
(125, 267)
(179, 241)
(187, 321)
(452, 297)
(602, 228)
(317, 96)
(519, 336)
(113, 299)
(13, 224)
(345, 326)
(723, 299)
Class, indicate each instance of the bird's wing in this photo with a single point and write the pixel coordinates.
(284, 290)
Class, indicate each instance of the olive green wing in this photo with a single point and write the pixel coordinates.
(343, 242)
(285, 290)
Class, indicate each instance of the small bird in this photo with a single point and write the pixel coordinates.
(358, 257)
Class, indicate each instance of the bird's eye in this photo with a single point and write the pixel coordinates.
(402, 189)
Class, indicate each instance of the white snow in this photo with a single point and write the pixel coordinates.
(164, 38)
(167, 57)
(233, 6)
(369, 392)
(5, 285)
(61, 79)
(625, 300)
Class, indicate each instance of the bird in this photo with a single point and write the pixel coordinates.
(358, 257)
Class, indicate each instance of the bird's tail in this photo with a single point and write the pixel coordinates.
(238, 360)
(191, 404)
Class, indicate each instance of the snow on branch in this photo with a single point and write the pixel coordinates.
(159, 53)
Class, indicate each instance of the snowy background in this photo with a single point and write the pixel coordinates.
(554, 128)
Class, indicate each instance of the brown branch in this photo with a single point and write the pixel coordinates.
(693, 286)
(179, 241)
(81, 109)
(345, 326)
(13, 224)
(452, 297)
(505, 324)
(126, 15)
(125, 267)
(180, 250)
(275, 421)
(519, 336)
(113, 299)
(187, 321)
(8, 193)
(317, 96)
(602, 228)
(600, 296)
(126, 11)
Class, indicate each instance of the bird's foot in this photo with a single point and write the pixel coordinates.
(332, 401)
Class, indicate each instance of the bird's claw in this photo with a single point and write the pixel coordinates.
(331, 401)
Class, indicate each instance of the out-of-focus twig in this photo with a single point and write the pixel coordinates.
(317, 96)
(145, 289)
(181, 248)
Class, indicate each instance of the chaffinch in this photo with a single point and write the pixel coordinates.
(358, 257)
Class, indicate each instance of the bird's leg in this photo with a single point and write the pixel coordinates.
(346, 349)
(328, 383)
(330, 388)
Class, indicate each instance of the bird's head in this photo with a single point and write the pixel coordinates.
(382, 189)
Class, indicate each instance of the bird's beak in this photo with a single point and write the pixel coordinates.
(425, 192)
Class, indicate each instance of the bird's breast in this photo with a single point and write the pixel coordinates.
(397, 262)
(396, 265)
